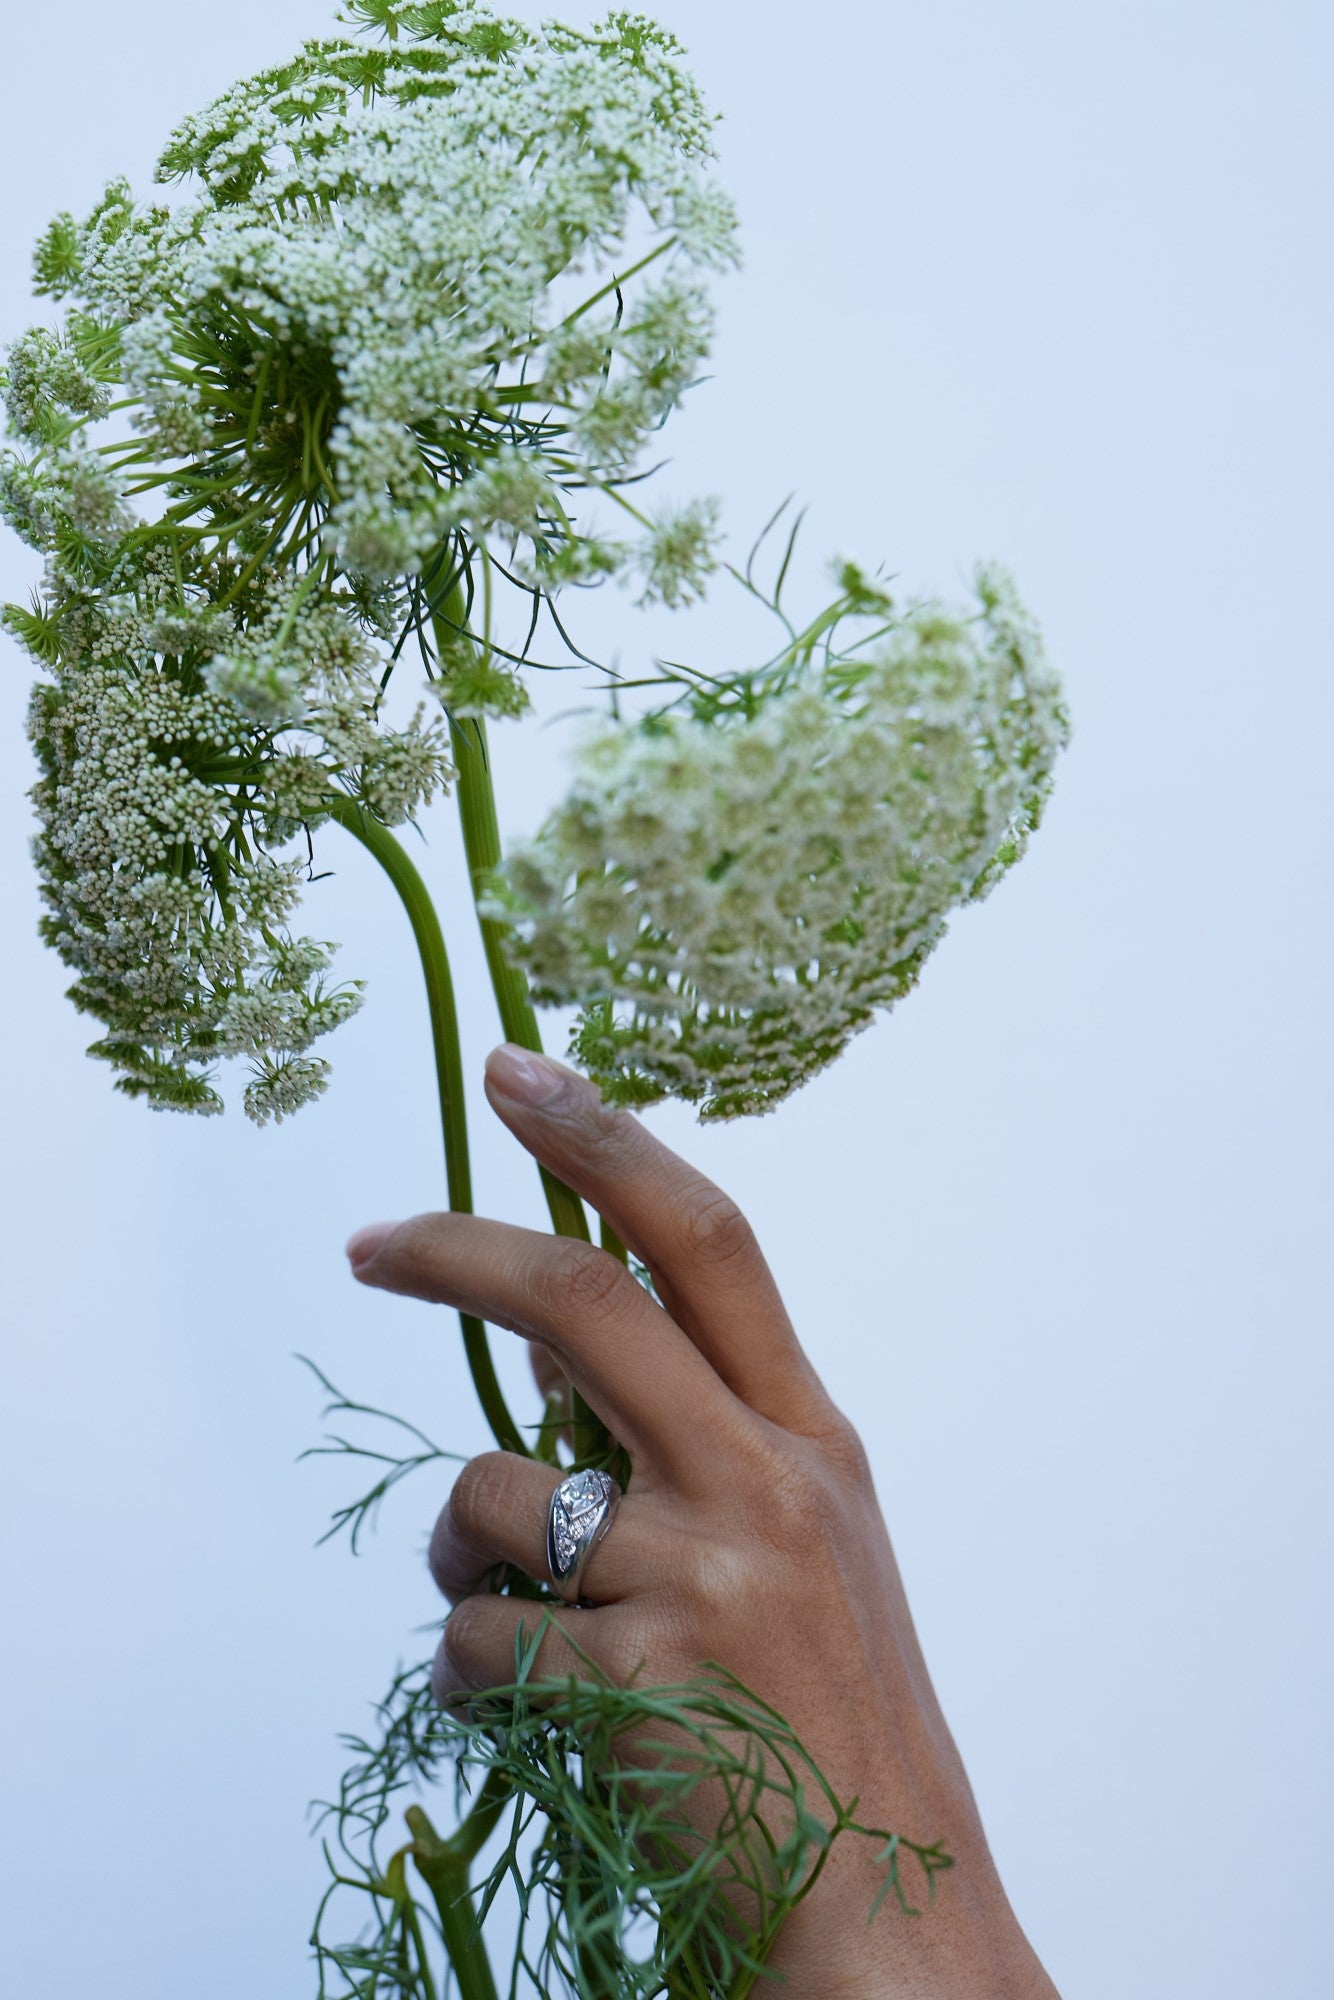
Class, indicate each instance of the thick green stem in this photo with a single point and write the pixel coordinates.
(449, 1078)
(481, 841)
(467, 1840)
(445, 1874)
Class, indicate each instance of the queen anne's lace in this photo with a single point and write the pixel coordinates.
(733, 887)
(169, 770)
(370, 307)
(424, 298)
(383, 328)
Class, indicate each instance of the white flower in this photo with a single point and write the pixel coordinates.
(283, 1087)
(45, 378)
(731, 890)
(171, 765)
(367, 315)
(260, 680)
(678, 554)
(475, 686)
(386, 325)
(513, 491)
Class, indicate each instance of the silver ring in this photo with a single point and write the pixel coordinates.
(582, 1509)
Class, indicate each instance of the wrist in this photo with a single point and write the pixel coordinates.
(963, 1943)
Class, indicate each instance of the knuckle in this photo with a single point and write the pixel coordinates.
(583, 1281)
(629, 1646)
(464, 1632)
(593, 1124)
(716, 1579)
(479, 1497)
(841, 1443)
(714, 1230)
(800, 1507)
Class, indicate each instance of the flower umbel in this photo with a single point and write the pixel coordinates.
(169, 773)
(736, 884)
(366, 324)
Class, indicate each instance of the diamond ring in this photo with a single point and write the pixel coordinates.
(582, 1508)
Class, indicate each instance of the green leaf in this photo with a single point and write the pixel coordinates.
(58, 259)
(35, 628)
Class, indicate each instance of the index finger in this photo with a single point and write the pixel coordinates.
(706, 1264)
(625, 1355)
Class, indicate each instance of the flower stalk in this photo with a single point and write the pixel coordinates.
(416, 900)
(443, 1866)
(481, 841)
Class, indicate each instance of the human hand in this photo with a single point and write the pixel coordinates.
(750, 1534)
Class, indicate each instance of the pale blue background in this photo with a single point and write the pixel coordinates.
(1041, 281)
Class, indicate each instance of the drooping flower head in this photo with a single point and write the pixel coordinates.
(736, 884)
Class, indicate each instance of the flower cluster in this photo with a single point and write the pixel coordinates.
(734, 885)
(391, 306)
(381, 342)
(177, 751)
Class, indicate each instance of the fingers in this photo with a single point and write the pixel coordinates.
(497, 1513)
(706, 1263)
(485, 1636)
(632, 1364)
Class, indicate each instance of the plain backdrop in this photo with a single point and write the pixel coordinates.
(1038, 281)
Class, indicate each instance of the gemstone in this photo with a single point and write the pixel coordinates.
(581, 1500)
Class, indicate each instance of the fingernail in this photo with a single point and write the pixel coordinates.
(524, 1077)
(367, 1244)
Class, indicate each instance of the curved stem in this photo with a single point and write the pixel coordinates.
(481, 840)
(449, 1078)
(412, 1924)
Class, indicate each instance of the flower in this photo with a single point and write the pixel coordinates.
(365, 323)
(735, 885)
(678, 554)
(177, 748)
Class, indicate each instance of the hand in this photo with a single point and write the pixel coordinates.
(750, 1533)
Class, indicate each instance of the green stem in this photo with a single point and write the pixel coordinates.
(425, 1978)
(481, 842)
(468, 1840)
(446, 1876)
(449, 1078)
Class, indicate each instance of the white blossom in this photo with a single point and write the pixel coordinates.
(678, 554)
(283, 1087)
(369, 308)
(45, 379)
(732, 888)
(169, 770)
(422, 306)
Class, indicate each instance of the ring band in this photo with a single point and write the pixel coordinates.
(582, 1509)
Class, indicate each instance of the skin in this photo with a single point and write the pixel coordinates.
(750, 1533)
